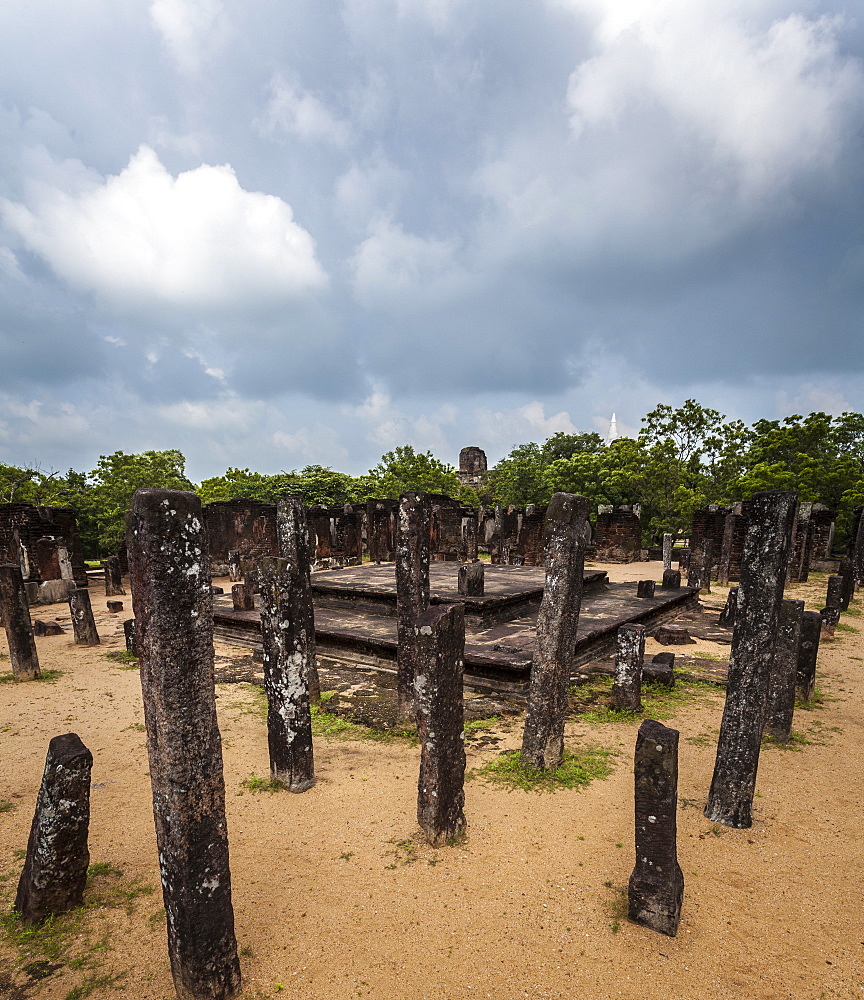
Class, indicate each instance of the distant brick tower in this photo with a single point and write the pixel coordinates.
(472, 466)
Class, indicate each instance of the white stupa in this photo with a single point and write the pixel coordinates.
(613, 430)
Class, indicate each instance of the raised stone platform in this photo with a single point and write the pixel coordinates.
(355, 622)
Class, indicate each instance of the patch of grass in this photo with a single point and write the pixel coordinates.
(702, 740)
(108, 886)
(6, 807)
(816, 701)
(577, 771)
(256, 784)
(703, 654)
(843, 627)
(95, 981)
(617, 905)
(480, 725)
(658, 702)
(123, 658)
(47, 676)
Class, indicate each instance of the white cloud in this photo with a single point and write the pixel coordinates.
(501, 430)
(770, 99)
(190, 29)
(297, 111)
(146, 237)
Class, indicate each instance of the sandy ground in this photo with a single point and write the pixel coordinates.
(335, 895)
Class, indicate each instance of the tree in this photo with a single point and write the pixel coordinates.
(404, 469)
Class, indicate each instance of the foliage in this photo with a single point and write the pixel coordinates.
(405, 469)
(577, 771)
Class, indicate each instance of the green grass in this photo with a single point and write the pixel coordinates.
(6, 807)
(816, 701)
(658, 702)
(704, 654)
(123, 658)
(577, 771)
(481, 725)
(48, 676)
(255, 784)
(843, 627)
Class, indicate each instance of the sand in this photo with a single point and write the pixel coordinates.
(335, 895)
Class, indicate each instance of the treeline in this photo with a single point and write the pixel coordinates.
(680, 460)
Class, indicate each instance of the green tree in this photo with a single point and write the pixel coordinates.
(405, 469)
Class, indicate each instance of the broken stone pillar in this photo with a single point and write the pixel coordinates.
(645, 588)
(808, 650)
(834, 597)
(671, 579)
(250, 579)
(857, 547)
(413, 522)
(169, 569)
(114, 606)
(763, 572)
(830, 620)
(673, 635)
(684, 559)
(667, 552)
(848, 588)
(469, 537)
(129, 635)
(83, 623)
(660, 670)
(47, 558)
(557, 622)
(284, 632)
(784, 670)
(438, 701)
(47, 628)
(235, 568)
(113, 577)
(727, 615)
(700, 567)
(55, 867)
(656, 888)
(471, 579)
(292, 531)
(627, 688)
(241, 598)
(16, 621)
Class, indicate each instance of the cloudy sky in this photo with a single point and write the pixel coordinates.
(275, 232)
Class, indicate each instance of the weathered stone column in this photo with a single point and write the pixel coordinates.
(763, 572)
(848, 589)
(724, 567)
(129, 635)
(684, 559)
(413, 521)
(284, 632)
(471, 579)
(292, 529)
(16, 621)
(235, 567)
(834, 596)
(113, 577)
(661, 670)
(557, 622)
(83, 623)
(627, 687)
(241, 597)
(671, 579)
(856, 550)
(169, 570)
(830, 620)
(438, 700)
(469, 537)
(667, 552)
(656, 888)
(700, 567)
(645, 588)
(55, 868)
(811, 630)
(727, 615)
(784, 670)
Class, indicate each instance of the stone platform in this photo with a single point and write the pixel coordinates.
(355, 623)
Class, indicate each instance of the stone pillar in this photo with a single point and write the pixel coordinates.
(830, 619)
(645, 588)
(684, 559)
(47, 558)
(727, 615)
(16, 620)
(438, 700)
(241, 597)
(857, 547)
(284, 625)
(700, 567)
(661, 670)
(834, 597)
(169, 570)
(113, 577)
(763, 572)
(471, 579)
(55, 868)
(671, 579)
(848, 588)
(723, 570)
(557, 622)
(627, 688)
(469, 537)
(129, 635)
(667, 552)
(784, 670)
(412, 591)
(805, 680)
(235, 568)
(292, 530)
(656, 888)
(83, 623)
